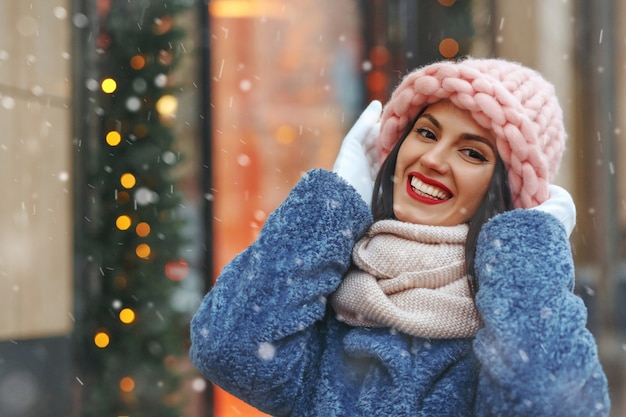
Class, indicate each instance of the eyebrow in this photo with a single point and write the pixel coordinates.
(468, 136)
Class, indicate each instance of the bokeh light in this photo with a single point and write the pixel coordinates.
(137, 62)
(123, 222)
(108, 85)
(448, 48)
(142, 229)
(379, 55)
(376, 81)
(128, 180)
(143, 251)
(113, 138)
(127, 384)
(122, 197)
(140, 130)
(177, 270)
(101, 339)
(167, 105)
(127, 316)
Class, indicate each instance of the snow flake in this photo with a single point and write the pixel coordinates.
(60, 13)
(332, 204)
(545, 313)
(243, 160)
(198, 384)
(80, 20)
(37, 90)
(245, 85)
(590, 291)
(8, 102)
(524, 356)
(266, 351)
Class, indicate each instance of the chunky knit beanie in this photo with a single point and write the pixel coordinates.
(515, 103)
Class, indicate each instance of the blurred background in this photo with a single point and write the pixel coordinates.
(144, 142)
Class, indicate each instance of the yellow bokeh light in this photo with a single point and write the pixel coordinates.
(123, 222)
(167, 105)
(143, 251)
(113, 138)
(142, 229)
(109, 85)
(101, 339)
(128, 180)
(127, 384)
(245, 8)
(127, 316)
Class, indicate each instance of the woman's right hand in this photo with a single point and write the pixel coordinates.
(357, 161)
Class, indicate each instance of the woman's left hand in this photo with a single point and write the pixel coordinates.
(561, 206)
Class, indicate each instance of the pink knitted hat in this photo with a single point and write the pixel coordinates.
(515, 103)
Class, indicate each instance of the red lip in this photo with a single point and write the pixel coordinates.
(429, 181)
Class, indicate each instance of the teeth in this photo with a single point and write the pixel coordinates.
(428, 190)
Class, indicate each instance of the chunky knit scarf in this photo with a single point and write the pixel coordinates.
(412, 278)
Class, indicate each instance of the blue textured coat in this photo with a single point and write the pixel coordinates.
(265, 332)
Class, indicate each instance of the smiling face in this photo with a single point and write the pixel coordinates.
(443, 168)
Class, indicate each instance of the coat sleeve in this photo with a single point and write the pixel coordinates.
(255, 333)
(537, 357)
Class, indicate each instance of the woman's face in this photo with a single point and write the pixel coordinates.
(444, 167)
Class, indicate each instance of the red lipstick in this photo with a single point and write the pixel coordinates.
(429, 181)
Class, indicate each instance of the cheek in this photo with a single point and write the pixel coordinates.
(482, 189)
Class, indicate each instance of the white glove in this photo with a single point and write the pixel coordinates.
(561, 206)
(357, 161)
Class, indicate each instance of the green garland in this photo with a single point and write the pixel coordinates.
(128, 336)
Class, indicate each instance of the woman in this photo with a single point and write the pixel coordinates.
(444, 302)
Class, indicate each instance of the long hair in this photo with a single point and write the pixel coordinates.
(497, 200)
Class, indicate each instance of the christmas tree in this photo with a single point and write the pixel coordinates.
(127, 336)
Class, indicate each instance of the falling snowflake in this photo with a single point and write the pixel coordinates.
(266, 351)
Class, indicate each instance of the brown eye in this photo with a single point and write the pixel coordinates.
(474, 154)
(426, 133)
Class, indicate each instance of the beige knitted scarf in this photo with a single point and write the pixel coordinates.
(412, 278)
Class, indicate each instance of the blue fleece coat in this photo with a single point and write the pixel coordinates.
(266, 334)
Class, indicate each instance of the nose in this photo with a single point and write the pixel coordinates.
(436, 158)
